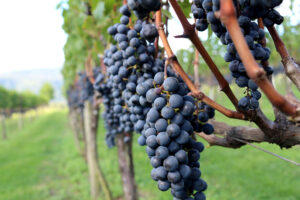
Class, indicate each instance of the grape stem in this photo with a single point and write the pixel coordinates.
(228, 17)
(196, 69)
(177, 67)
(189, 32)
(167, 19)
(292, 69)
(156, 47)
(166, 68)
(102, 65)
(196, 66)
(89, 68)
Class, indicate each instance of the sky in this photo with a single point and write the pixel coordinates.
(31, 34)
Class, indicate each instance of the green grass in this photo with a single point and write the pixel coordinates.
(248, 173)
(41, 162)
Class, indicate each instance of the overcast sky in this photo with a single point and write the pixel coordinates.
(31, 36)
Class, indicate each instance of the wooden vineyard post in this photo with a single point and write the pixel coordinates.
(4, 135)
(126, 167)
(80, 123)
(96, 176)
(80, 126)
(20, 120)
(76, 130)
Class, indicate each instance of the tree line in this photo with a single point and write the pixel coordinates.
(13, 101)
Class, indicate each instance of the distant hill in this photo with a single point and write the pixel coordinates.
(33, 80)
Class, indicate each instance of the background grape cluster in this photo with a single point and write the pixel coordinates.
(82, 90)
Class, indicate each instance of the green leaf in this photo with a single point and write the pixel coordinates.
(186, 7)
(167, 13)
(99, 11)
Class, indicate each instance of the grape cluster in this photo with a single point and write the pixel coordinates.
(120, 62)
(81, 91)
(110, 119)
(255, 9)
(85, 86)
(199, 14)
(129, 62)
(171, 119)
(249, 10)
(73, 97)
(100, 85)
(138, 97)
(142, 8)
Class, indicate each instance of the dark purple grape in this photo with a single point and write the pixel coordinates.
(208, 129)
(171, 163)
(163, 185)
(163, 139)
(161, 125)
(162, 152)
(151, 141)
(171, 84)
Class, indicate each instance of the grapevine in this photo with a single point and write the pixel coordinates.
(147, 96)
(147, 91)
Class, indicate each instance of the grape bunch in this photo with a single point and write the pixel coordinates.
(142, 8)
(110, 87)
(85, 87)
(118, 63)
(200, 15)
(172, 118)
(138, 96)
(111, 121)
(100, 85)
(81, 91)
(129, 62)
(255, 9)
(250, 10)
(73, 97)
